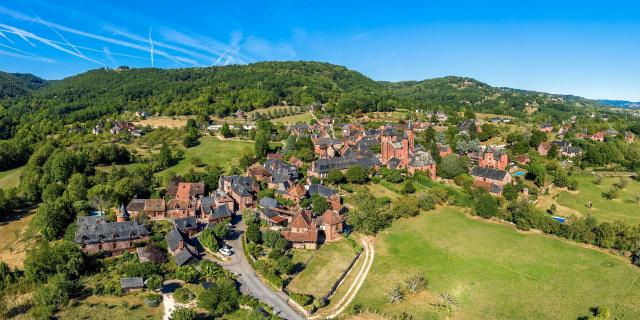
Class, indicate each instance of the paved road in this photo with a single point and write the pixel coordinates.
(251, 284)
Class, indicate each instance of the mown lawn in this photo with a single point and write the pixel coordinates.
(623, 208)
(10, 178)
(495, 272)
(212, 151)
(324, 269)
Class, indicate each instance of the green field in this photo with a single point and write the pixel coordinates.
(10, 178)
(622, 208)
(324, 269)
(303, 117)
(495, 272)
(212, 151)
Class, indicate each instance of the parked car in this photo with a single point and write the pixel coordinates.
(226, 251)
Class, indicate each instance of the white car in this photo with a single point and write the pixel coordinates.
(226, 251)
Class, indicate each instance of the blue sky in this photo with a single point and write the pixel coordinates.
(586, 48)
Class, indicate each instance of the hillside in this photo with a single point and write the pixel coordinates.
(213, 90)
(223, 90)
(620, 103)
(454, 92)
(18, 84)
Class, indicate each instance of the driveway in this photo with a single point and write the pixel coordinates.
(168, 302)
(249, 281)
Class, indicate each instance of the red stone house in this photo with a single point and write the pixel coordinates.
(189, 190)
(302, 231)
(240, 188)
(296, 193)
(492, 180)
(332, 224)
(444, 150)
(179, 208)
(546, 127)
(94, 235)
(154, 209)
(398, 151)
(543, 148)
(494, 159)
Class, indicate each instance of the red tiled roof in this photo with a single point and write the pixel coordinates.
(297, 191)
(302, 220)
(331, 218)
(186, 190)
(310, 236)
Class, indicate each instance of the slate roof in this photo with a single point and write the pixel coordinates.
(182, 257)
(221, 212)
(492, 174)
(267, 202)
(241, 185)
(184, 224)
(96, 231)
(173, 239)
(281, 170)
(136, 205)
(340, 163)
(132, 283)
(206, 204)
(321, 190)
(422, 158)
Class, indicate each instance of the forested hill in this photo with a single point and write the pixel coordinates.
(28, 100)
(213, 90)
(18, 84)
(457, 92)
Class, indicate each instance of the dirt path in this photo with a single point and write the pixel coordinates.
(357, 282)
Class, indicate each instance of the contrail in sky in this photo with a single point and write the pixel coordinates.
(150, 46)
(7, 38)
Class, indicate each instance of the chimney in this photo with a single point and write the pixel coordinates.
(181, 244)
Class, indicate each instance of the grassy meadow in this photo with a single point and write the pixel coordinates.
(14, 244)
(324, 269)
(212, 151)
(303, 117)
(494, 272)
(10, 178)
(623, 208)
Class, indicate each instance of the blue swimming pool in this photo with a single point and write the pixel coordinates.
(560, 219)
(519, 173)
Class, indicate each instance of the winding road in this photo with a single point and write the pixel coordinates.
(251, 284)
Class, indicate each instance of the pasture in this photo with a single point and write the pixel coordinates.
(622, 208)
(494, 272)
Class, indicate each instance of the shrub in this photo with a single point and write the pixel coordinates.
(395, 295)
(426, 202)
(356, 174)
(407, 208)
(182, 313)
(416, 283)
(408, 187)
(154, 282)
(486, 206)
(300, 298)
(187, 273)
(152, 300)
(183, 295)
